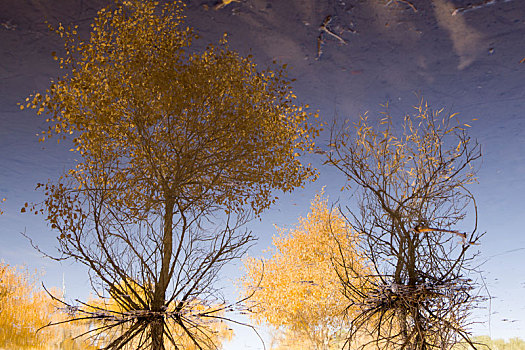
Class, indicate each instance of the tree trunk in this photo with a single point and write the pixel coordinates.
(159, 298)
(157, 335)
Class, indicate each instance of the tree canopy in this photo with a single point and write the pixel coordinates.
(297, 289)
(207, 126)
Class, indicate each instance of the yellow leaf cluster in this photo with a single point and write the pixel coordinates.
(23, 309)
(298, 287)
(152, 120)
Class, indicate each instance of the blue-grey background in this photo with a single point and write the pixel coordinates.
(467, 63)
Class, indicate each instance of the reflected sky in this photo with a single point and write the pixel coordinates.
(466, 61)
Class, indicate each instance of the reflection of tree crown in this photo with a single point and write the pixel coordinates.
(297, 289)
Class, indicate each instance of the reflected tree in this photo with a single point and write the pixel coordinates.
(411, 182)
(177, 151)
(297, 290)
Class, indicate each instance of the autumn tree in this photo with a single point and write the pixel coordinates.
(177, 150)
(412, 184)
(297, 289)
(23, 308)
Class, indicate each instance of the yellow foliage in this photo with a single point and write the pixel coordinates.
(23, 308)
(299, 289)
(148, 117)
